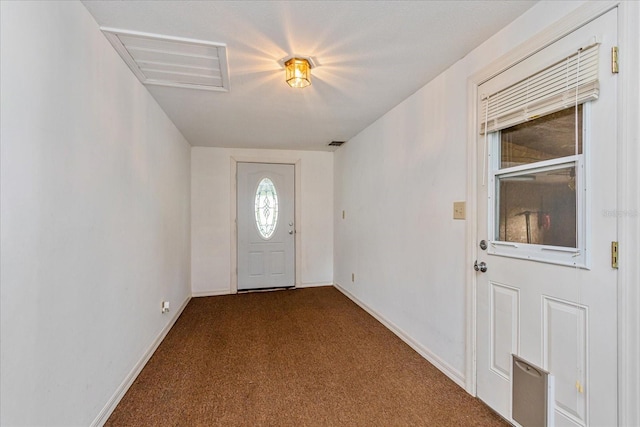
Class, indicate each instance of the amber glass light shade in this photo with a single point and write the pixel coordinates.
(298, 72)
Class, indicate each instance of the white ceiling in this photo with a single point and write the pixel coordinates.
(371, 55)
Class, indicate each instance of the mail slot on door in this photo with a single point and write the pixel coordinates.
(532, 394)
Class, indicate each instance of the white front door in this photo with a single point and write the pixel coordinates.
(266, 229)
(546, 210)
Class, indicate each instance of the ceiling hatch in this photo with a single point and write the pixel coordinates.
(172, 61)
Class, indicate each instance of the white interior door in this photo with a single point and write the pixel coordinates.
(266, 228)
(549, 292)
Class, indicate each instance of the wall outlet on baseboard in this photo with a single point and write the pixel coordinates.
(165, 306)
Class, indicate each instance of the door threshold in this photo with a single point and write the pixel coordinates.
(279, 288)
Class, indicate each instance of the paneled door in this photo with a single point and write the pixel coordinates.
(546, 286)
(266, 228)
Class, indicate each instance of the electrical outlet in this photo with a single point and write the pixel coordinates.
(165, 306)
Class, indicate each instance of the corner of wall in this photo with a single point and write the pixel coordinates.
(119, 393)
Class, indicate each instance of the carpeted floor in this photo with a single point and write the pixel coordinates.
(307, 357)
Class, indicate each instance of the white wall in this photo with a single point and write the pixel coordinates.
(211, 184)
(95, 186)
(397, 181)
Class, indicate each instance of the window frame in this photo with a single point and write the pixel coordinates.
(558, 255)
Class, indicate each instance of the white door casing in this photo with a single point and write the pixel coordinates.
(265, 233)
(558, 317)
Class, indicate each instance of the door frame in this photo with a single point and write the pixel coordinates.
(297, 166)
(628, 194)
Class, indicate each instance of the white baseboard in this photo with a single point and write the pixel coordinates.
(455, 375)
(214, 293)
(104, 415)
(313, 285)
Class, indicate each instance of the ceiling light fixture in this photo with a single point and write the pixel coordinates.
(298, 72)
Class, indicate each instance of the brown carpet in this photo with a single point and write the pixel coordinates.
(307, 357)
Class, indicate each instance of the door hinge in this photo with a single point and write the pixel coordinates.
(614, 254)
(615, 69)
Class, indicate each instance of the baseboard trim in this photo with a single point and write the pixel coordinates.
(443, 366)
(215, 293)
(108, 409)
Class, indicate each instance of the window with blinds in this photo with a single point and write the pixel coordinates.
(536, 130)
(572, 81)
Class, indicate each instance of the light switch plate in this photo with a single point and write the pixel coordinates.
(459, 210)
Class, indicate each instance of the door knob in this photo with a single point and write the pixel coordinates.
(482, 267)
(290, 231)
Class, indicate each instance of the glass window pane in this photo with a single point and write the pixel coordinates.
(266, 208)
(538, 207)
(545, 138)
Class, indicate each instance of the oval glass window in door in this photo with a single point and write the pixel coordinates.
(266, 208)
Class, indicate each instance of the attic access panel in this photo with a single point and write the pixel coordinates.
(172, 61)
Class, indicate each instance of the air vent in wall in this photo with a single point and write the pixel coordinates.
(336, 143)
(172, 61)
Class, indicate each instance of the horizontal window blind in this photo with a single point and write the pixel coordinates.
(574, 80)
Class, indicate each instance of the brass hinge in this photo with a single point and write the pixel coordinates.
(615, 69)
(614, 254)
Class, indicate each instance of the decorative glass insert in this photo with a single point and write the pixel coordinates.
(266, 208)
